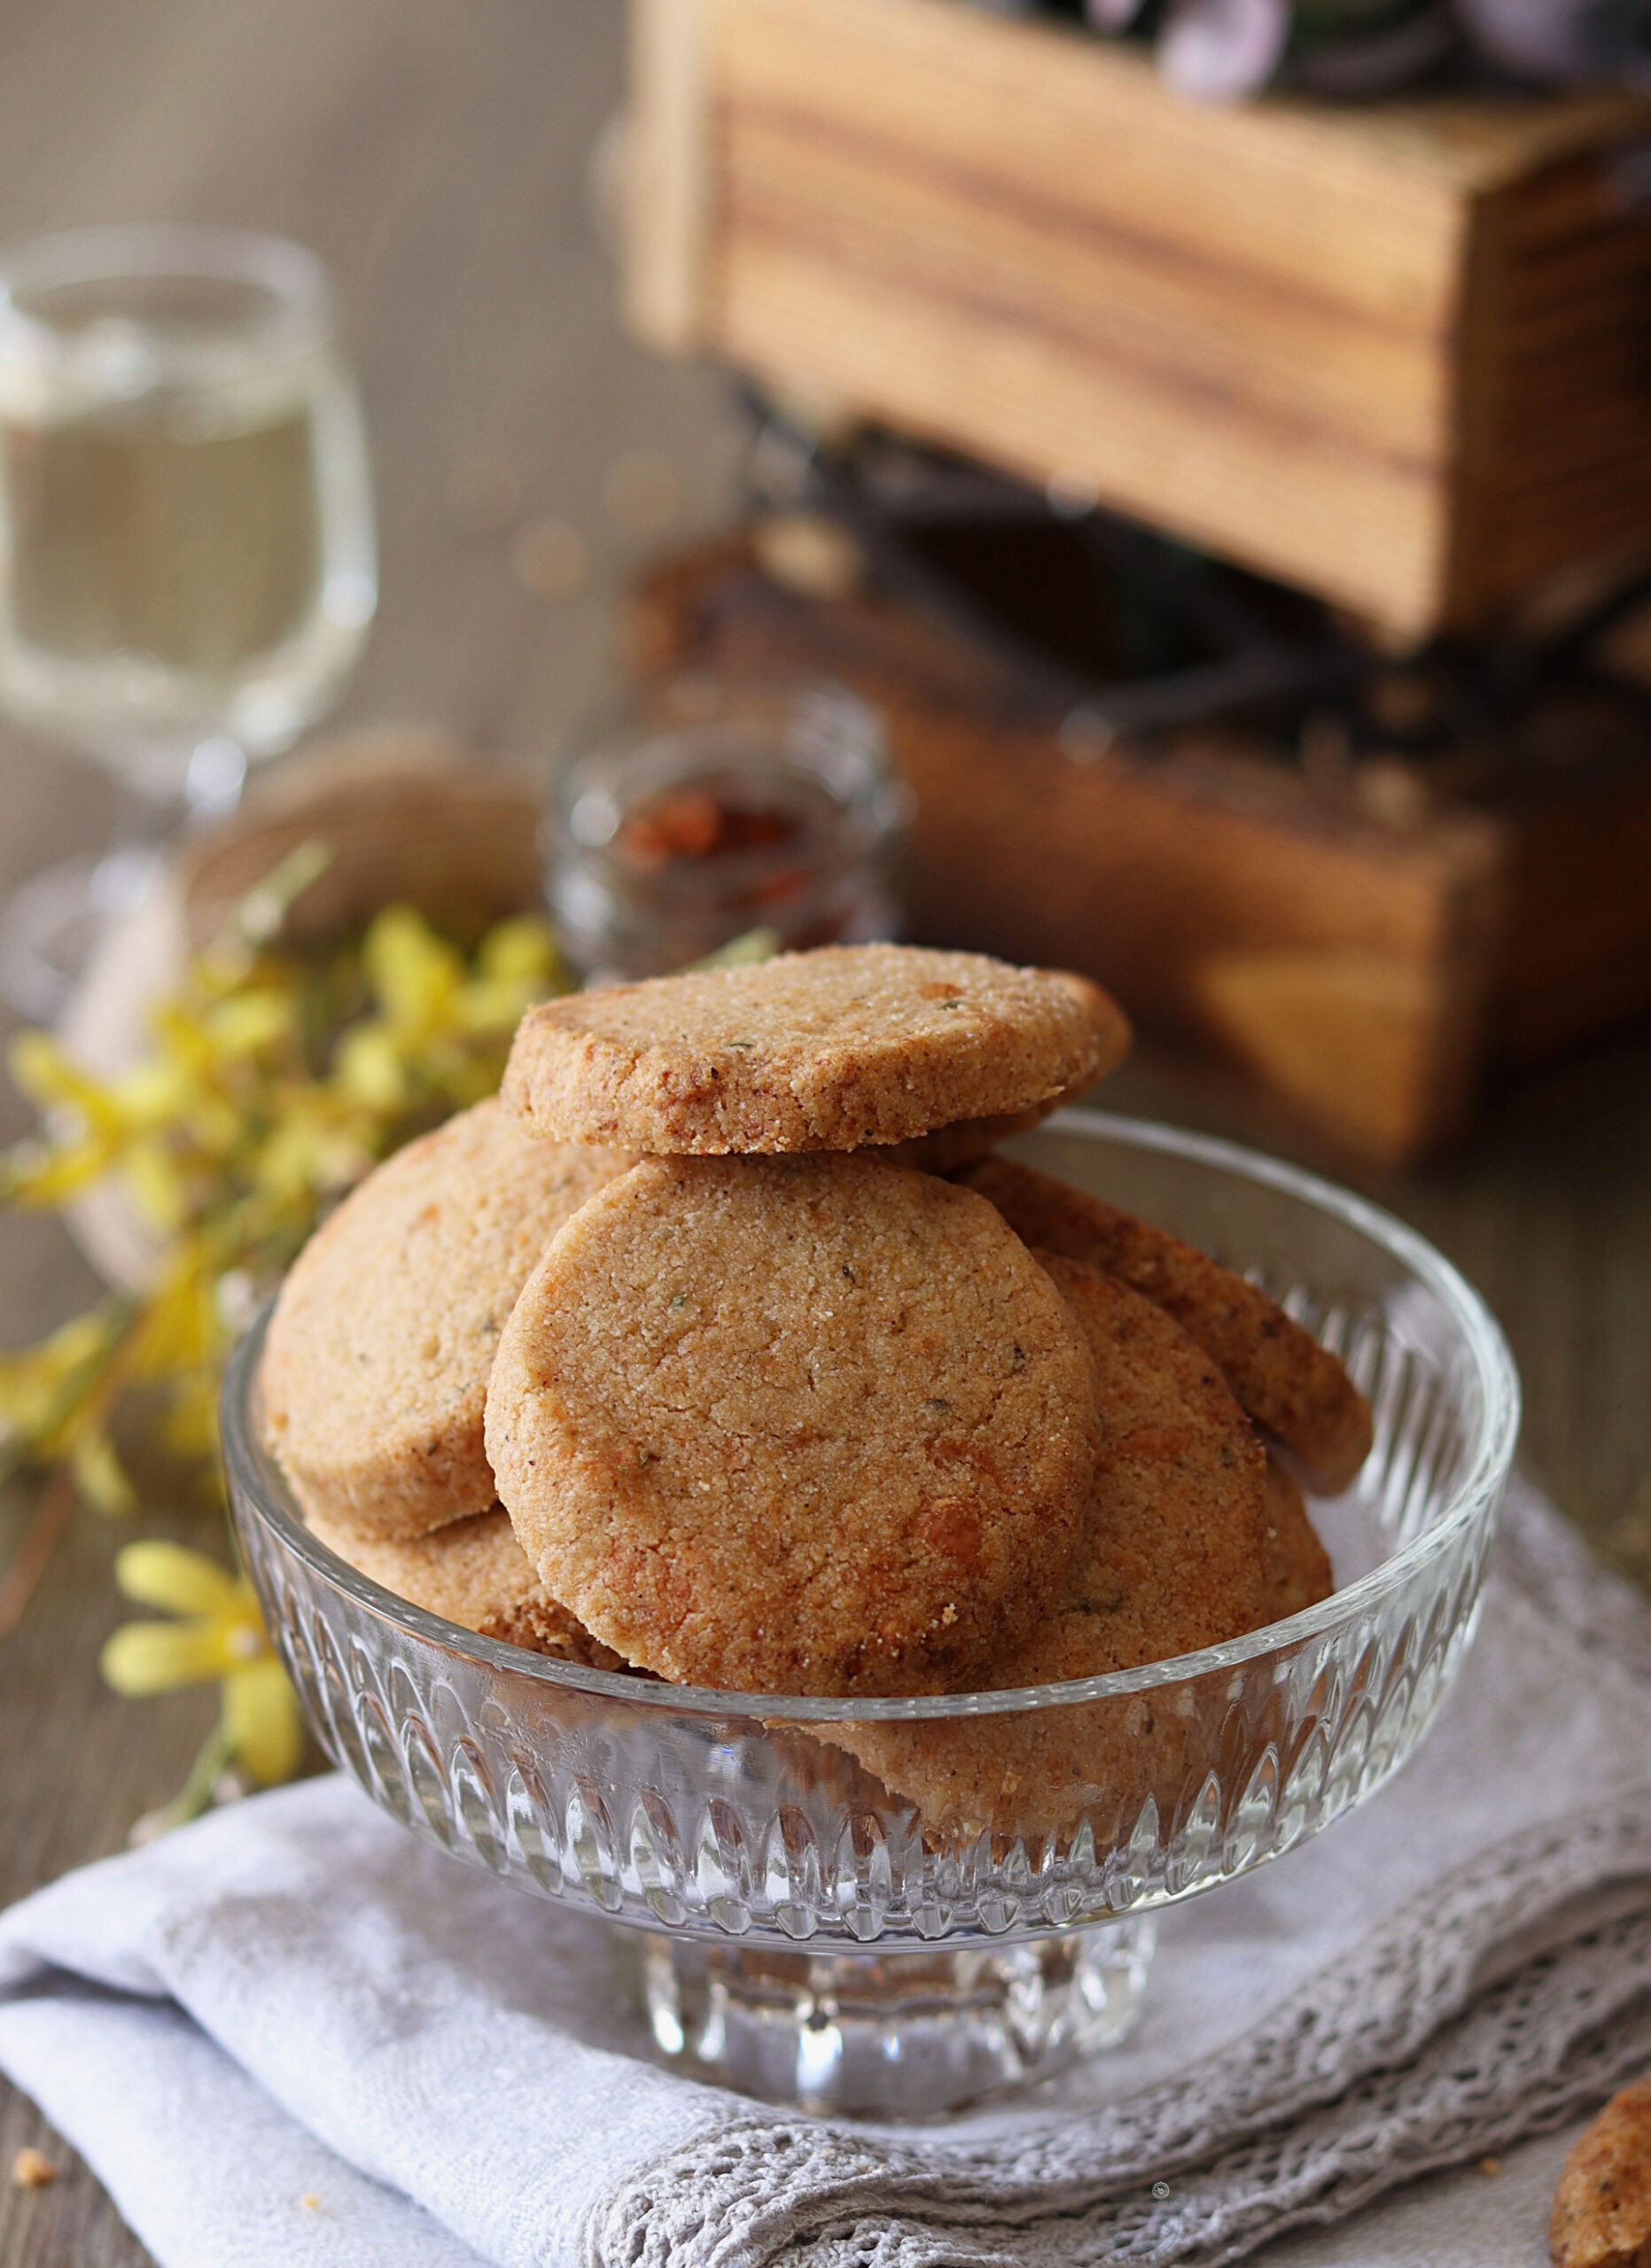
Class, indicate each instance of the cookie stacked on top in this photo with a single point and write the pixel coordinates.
(722, 1347)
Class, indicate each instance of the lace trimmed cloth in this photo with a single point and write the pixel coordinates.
(290, 2032)
(1495, 2005)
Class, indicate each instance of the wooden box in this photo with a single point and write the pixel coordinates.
(1398, 355)
(1363, 959)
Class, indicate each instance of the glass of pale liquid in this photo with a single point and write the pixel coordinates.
(188, 566)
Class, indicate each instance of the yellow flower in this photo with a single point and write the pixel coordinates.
(98, 1474)
(219, 1634)
(260, 1017)
(309, 1152)
(415, 975)
(41, 1070)
(38, 1385)
(270, 1085)
(515, 964)
(524, 951)
(369, 1068)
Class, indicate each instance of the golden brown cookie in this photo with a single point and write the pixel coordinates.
(1290, 1385)
(474, 1573)
(832, 1049)
(1174, 1558)
(1299, 1563)
(815, 1425)
(375, 1367)
(1602, 2206)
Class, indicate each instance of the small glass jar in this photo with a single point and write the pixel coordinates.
(733, 810)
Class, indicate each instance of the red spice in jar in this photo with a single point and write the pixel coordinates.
(693, 823)
(761, 811)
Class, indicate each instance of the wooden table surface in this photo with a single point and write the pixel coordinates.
(438, 157)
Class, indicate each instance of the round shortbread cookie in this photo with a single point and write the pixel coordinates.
(1299, 1562)
(1174, 1558)
(834, 1049)
(474, 1573)
(813, 1425)
(1294, 1388)
(375, 1371)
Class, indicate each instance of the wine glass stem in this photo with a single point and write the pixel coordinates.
(50, 927)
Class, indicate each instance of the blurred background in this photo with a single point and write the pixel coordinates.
(1373, 769)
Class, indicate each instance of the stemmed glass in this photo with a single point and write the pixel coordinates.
(188, 566)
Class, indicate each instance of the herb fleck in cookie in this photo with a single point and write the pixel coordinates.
(1292, 1387)
(813, 1425)
(376, 1368)
(1174, 1557)
(474, 1573)
(1602, 2207)
(833, 1049)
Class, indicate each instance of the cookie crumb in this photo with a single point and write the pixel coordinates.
(309, 2201)
(32, 2169)
(1602, 2205)
(1490, 2168)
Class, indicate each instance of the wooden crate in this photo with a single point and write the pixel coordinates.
(1399, 355)
(1365, 971)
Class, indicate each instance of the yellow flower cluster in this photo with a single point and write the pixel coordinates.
(270, 1085)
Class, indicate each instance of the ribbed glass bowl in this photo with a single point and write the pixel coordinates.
(789, 1925)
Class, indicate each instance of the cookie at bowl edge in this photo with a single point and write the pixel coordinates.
(1174, 1557)
(375, 1370)
(474, 1573)
(1294, 1388)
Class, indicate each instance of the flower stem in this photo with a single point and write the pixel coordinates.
(195, 1796)
(41, 1538)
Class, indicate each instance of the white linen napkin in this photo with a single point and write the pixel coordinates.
(293, 2033)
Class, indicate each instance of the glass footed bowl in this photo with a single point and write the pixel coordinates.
(795, 1928)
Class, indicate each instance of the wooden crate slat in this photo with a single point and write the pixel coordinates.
(1100, 288)
(1394, 354)
(1269, 488)
(667, 219)
(1590, 501)
(1071, 122)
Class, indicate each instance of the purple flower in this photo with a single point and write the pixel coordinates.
(1216, 51)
